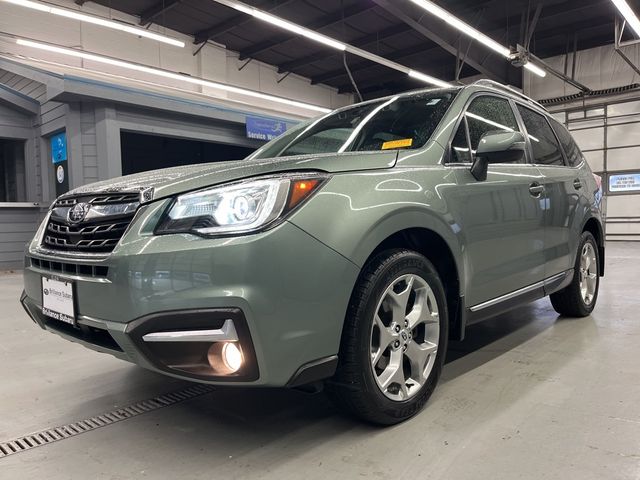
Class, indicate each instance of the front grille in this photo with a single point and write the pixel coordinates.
(97, 234)
(92, 238)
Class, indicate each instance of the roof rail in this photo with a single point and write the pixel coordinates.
(492, 83)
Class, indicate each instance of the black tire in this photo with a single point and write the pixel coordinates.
(354, 387)
(569, 301)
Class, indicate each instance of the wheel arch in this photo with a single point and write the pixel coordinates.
(594, 226)
(438, 251)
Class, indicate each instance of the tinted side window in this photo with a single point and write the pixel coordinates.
(489, 114)
(546, 150)
(571, 150)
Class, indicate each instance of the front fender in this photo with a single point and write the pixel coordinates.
(354, 213)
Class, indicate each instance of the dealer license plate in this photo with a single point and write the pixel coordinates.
(57, 300)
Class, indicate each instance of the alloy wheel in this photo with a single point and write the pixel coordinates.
(588, 273)
(404, 337)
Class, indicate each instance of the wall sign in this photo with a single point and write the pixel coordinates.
(261, 128)
(59, 148)
(626, 182)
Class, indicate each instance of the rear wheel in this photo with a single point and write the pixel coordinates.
(394, 339)
(579, 298)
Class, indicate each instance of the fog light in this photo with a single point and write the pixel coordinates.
(225, 358)
(232, 356)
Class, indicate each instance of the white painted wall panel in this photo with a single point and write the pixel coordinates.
(595, 159)
(589, 139)
(623, 205)
(625, 108)
(623, 135)
(623, 159)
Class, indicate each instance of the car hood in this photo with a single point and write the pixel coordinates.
(170, 181)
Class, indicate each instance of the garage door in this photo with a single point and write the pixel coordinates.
(609, 136)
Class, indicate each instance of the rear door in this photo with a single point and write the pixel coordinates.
(562, 184)
(500, 219)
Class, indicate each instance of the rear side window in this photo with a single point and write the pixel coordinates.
(546, 150)
(571, 150)
(484, 114)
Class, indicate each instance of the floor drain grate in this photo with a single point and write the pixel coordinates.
(51, 435)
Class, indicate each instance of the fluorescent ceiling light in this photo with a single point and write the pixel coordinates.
(468, 30)
(626, 11)
(465, 28)
(427, 78)
(325, 40)
(167, 74)
(535, 69)
(103, 22)
(284, 24)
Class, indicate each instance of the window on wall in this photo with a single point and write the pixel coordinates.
(571, 150)
(12, 171)
(142, 152)
(546, 150)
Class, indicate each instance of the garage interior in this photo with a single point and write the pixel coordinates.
(527, 394)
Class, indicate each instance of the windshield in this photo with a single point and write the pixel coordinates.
(405, 121)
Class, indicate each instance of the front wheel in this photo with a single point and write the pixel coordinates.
(394, 339)
(579, 298)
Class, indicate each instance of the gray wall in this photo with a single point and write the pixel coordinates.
(17, 226)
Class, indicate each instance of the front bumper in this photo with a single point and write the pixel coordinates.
(286, 292)
(132, 341)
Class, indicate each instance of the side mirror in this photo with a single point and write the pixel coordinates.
(497, 147)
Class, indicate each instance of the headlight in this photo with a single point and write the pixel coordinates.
(238, 208)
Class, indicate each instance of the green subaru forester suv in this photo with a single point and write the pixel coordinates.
(344, 253)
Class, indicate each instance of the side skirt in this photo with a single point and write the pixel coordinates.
(509, 301)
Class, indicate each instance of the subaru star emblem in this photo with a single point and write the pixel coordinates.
(78, 212)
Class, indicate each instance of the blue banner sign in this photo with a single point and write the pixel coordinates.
(627, 182)
(59, 148)
(260, 128)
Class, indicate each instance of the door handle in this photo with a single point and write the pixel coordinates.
(536, 189)
(577, 184)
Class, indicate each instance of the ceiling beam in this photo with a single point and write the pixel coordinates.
(374, 82)
(386, 88)
(235, 21)
(324, 22)
(330, 76)
(359, 42)
(363, 65)
(153, 12)
(451, 41)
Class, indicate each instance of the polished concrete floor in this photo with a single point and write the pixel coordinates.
(527, 395)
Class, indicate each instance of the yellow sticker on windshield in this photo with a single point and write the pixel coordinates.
(405, 142)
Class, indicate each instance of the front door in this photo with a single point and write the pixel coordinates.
(501, 219)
